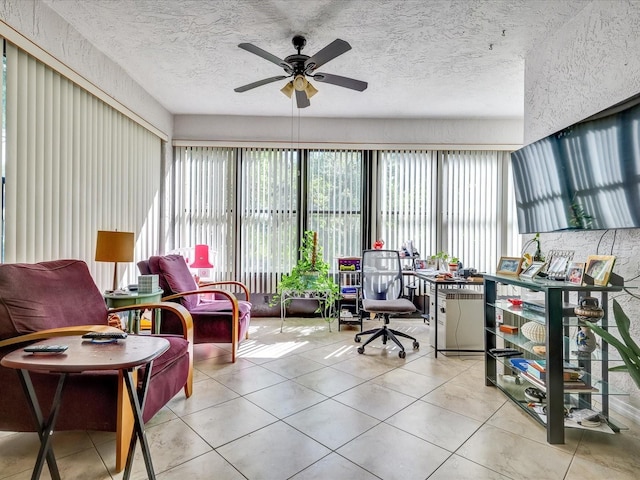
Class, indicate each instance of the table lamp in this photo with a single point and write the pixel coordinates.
(201, 257)
(115, 247)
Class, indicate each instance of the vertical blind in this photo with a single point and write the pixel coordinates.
(251, 205)
(269, 216)
(334, 198)
(203, 198)
(73, 166)
(407, 198)
(474, 195)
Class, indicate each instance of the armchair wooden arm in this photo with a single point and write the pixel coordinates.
(241, 285)
(125, 412)
(57, 332)
(187, 328)
(235, 312)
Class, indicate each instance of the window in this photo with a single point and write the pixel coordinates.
(269, 216)
(407, 198)
(334, 202)
(252, 205)
(203, 201)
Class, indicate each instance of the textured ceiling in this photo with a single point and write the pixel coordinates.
(422, 58)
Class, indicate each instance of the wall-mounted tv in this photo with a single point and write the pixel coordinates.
(586, 176)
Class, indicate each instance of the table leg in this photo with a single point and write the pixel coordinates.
(45, 429)
(435, 321)
(156, 319)
(138, 399)
(283, 311)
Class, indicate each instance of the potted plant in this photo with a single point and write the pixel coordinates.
(453, 264)
(443, 260)
(627, 348)
(310, 277)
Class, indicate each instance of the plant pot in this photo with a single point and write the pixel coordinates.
(309, 279)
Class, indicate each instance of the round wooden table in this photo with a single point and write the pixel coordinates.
(83, 355)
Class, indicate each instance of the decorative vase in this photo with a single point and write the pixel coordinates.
(589, 309)
(586, 340)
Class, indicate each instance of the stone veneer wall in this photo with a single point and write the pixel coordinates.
(583, 68)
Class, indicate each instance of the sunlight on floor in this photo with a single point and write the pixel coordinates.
(343, 350)
(252, 349)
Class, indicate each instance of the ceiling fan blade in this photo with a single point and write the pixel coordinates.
(259, 83)
(266, 55)
(331, 51)
(301, 99)
(346, 82)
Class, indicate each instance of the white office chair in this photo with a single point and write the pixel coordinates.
(382, 286)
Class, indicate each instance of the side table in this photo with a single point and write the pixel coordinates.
(124, 299)
(84, 355)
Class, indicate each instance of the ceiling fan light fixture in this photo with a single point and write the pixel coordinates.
(288, 89)
(300, 83)
(310, 90)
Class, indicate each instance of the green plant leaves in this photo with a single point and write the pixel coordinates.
(627, 347)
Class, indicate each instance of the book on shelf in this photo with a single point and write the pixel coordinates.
(574, 386)
(537, 369)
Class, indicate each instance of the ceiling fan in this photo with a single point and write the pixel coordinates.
(301, 67)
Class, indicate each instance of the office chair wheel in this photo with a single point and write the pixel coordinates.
(360, 350)
(357, 339)
(416, 345)
(402, 354)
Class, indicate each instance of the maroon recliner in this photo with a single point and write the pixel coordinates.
(58, 298)
(218, 316)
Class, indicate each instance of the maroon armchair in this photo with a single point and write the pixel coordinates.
(218, 316)
(58, 298)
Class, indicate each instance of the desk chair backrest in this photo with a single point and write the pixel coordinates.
(381, 275)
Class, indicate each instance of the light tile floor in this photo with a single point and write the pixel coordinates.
(304, 405)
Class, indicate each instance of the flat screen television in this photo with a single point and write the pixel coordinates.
(586, 176)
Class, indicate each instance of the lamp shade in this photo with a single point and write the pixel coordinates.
(201, 257)
(115, 246)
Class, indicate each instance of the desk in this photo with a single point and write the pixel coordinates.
(441, 283)
(126, 356)
(115, 300)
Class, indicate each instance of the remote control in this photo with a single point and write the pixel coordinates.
(46, 348)
(505, 352)
(105, 335)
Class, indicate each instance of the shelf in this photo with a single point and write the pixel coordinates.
(560, 324)
(522, 342)
(569, 318)
(603, 387)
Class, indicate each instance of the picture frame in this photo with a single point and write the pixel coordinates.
(557, 268)
(532, 270)
(599, 268)
(509, 266)
(575, 271)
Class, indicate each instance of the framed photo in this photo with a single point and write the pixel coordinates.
(509, 266)
(557, 268)
(575, 270)
(599, 268)
(532, 270)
